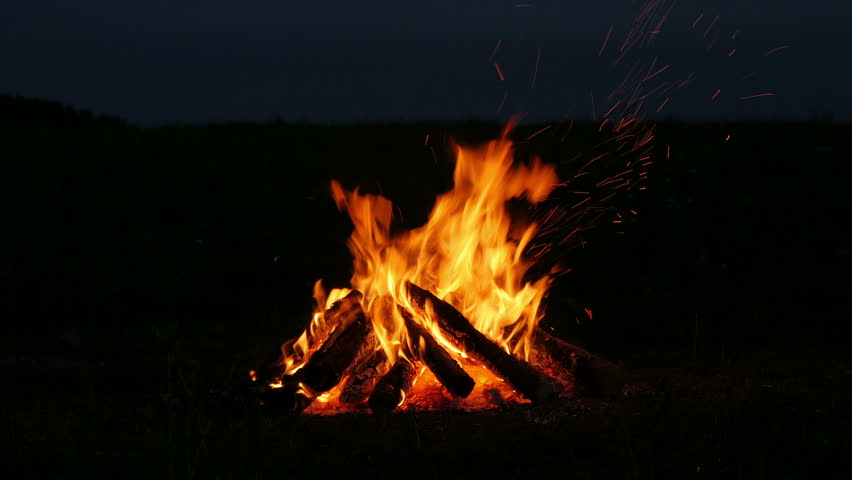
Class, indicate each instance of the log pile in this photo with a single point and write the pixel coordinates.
(352, 359)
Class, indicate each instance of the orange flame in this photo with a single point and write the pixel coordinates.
(469, 253)
(464, 254)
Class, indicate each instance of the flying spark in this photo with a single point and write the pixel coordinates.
(600, 52)
(496, 47)
(707, 32)
(758, 95)
(499, 72)
(535, 73)
(782, 47)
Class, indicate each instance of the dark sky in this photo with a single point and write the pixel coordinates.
(155, 61)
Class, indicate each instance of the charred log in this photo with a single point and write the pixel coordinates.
(526, 379)
(363, 378)
(346, 343)
(272, 369)
(445, 368)
(593, 374)
(391, 389)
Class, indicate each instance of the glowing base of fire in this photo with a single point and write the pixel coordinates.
(427, 394)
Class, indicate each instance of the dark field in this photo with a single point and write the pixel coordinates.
(139, 273)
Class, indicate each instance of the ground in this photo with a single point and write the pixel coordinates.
(746, 422)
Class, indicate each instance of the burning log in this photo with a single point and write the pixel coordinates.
(526, 379)
(325, 368)
(391, 389)
(271, 370)
(346, 343)
(446, 369)
(594, 374)
(363, 378)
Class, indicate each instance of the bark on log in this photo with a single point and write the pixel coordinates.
(593, 374)
(532, 383)
(445, 368)
(363, 378)
(272, 369)
(391, 389)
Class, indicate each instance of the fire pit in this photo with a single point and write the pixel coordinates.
(442, 316)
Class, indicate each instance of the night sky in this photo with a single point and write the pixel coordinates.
(162, 61)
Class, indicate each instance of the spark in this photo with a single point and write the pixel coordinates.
(588, 312)
(540, 131)
(581, 202)
(716, 94)
(668, 155)
(662, 105)
(688, 80)
(734, 35)
(758, 95)
(600, 129)
(535, 73)
(613, 108)
(782, 47)
(496, 47)
(707, 32)
(499, 72)
(732, 52)
(505, 96)
(697, 20)
(426, 142)
(728, 137)
(592, 161)
(623, 124)
(606, 39)
(656, 73)
(647, 139)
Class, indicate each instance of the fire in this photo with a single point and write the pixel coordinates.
(469, 254)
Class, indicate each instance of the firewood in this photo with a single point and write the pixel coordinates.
(326, 367)
(593, 374)
(272, 369)
(532, 383)
(446, 369)
(391, 389)
(363, 378)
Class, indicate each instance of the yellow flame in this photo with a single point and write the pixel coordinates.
(469, 253)
(464, 254)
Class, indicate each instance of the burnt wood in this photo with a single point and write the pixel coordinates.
(445, 368)
(363, 378)
(390, 390)
(326, 367)
(272, 369)
(532, 383)
(593, 374)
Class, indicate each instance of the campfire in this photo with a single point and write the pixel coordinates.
(442, 316)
